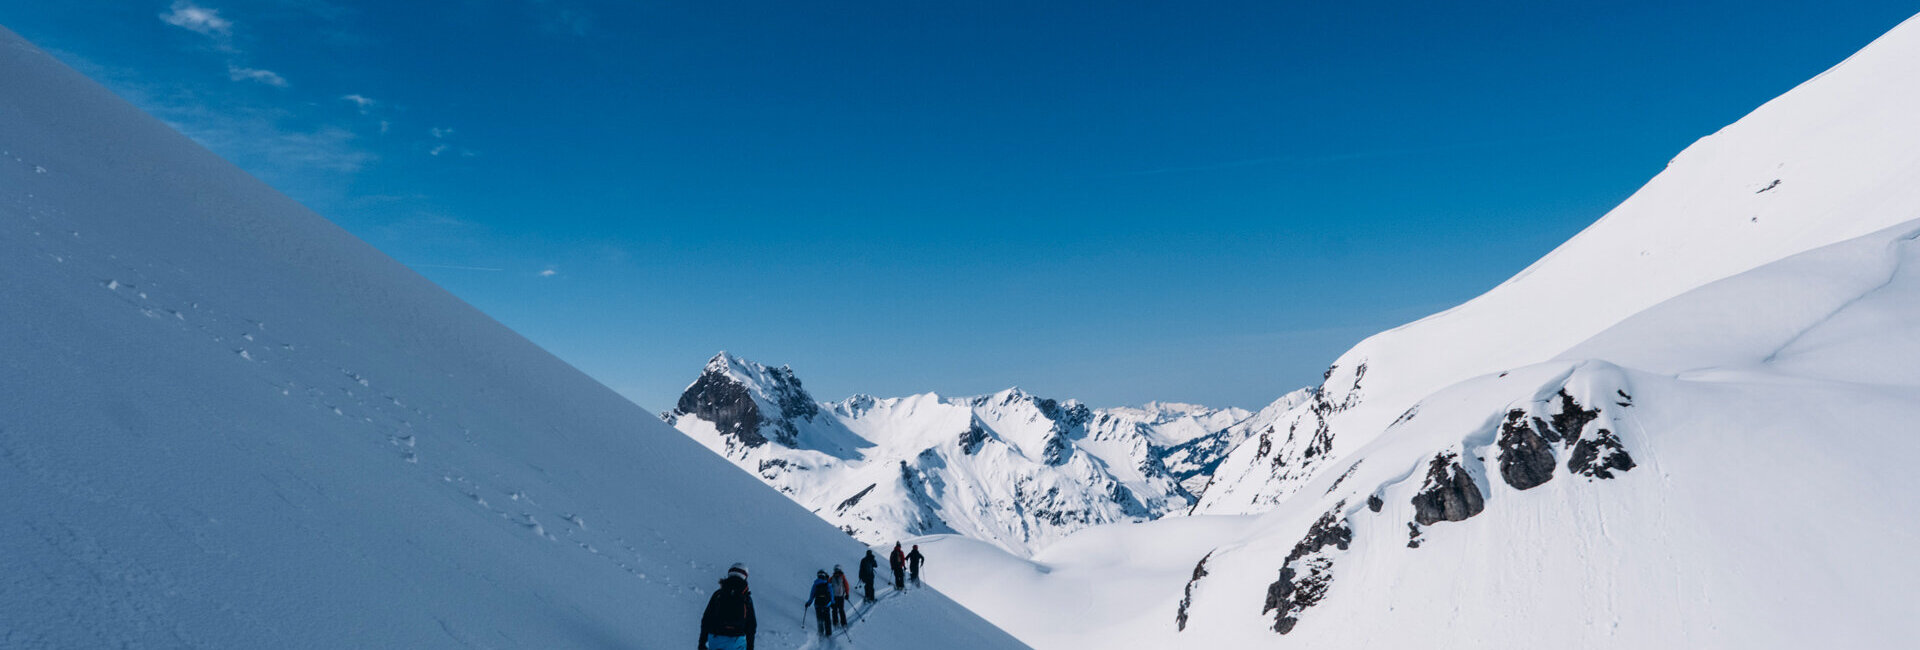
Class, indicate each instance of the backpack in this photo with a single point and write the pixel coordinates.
(731, 609)
(822, 593)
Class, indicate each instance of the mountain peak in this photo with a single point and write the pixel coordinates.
(741, 398)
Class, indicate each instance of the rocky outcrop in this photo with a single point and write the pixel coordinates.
(1449, 493)
(1308, 571)
(1199, 571)
(1526, 458)
(1599, 455)
(973, 437)
(855, 499)
(719, 399)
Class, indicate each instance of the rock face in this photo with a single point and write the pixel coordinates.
(1199, 571)
(746, 401)
(1599, 456)
(1526, 460)
(1449, 493)
(724, 402)
(1308, 571)
(1527, 456)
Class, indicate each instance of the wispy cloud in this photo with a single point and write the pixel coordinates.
(187, 15)
(360, 102)
(549, 272)
(268, 77)
(441, 148)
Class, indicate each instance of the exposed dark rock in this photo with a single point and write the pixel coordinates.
(1526, 459)
(1343, 477)
(855, 499)
(719, 399)
(1374, 503)
(1308, 571)
(1296, 590)
(771, 467)
(1572, 418)
(1449, 493)
(1413, 535)
(1067, 421)
(973, 438)
(1406, 416)
(1199, 571)
(1056, 452)
(1329, 530)
(1599, 455)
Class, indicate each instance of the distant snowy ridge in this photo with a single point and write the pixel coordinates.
(1013, 469)
(227, 423)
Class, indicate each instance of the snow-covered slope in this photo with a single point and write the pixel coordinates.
(1726, 469)
(1830, 161)
(1722, 465)
(1011, 469)
(225, 422)
(1198, 461)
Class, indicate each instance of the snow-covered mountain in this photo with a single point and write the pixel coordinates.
(1011, 468)
(1689, 426)
(1826, 163)
(227, 423)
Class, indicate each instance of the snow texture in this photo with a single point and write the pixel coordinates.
(225, 422)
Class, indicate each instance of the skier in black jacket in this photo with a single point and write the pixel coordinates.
(913, 563)
(728, 622)
(867, 566)
(898, 561)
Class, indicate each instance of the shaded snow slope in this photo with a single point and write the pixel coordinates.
(1012, 469)
(1725, 467)
(1834, 159)
(225, 422)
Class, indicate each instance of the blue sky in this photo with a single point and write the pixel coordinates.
(1110, 201)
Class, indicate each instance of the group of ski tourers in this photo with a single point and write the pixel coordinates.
(728, 623)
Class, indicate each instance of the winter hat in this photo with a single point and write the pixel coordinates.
(738, 569)
(821, 574)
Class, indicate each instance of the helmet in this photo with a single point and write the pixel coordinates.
(822, 574)
(836, 568)
(738, 569)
